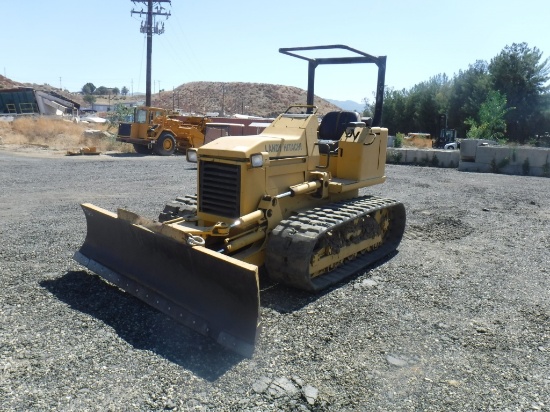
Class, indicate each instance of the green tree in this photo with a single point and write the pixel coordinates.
(102, 90)
(119, 114)
(520, 73)
(88, 88)
(368, 110)
(394, 116)
(469, 90)
(416, 110)
(401, 116)
(492, 124)
(124, 91)
(115, 91)
(90, 99)
(425, 101)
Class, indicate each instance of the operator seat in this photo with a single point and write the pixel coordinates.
(332, 127)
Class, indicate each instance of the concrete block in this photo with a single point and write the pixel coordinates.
(539, 171)
(474, 167)
(493, 154)
(448, 158)
(530, 161)
(488, 158)
(468, 148)
(423, 157)
(394, 155)
(537, 156)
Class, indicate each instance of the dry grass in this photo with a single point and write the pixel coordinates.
(59, 134)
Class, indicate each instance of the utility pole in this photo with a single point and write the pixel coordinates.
(223, 99)
(150, 26)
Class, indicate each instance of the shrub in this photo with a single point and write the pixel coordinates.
(546, 168)
(496, 167)
(398, 141)
(504, 162)
(526, 167)
(424, 161)
(394, 156)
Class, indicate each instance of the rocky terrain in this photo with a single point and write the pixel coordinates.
(6, 83)
(457, 320)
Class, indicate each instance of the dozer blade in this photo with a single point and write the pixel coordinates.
(216, 295)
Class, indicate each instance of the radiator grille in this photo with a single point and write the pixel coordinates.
(220, 187)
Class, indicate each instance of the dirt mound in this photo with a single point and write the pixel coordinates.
(6, 83)
(417, 141)
(259, 99)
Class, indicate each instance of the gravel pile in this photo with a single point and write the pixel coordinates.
(457, 320)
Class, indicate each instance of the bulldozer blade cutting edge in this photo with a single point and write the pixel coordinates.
(213, 294)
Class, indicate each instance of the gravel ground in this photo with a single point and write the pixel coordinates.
(457, 320)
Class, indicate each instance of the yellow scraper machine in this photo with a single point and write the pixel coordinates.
(287, 199)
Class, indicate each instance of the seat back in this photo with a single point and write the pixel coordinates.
(334, 124)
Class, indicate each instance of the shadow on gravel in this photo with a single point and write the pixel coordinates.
(284, 299)
(142, 326)
(126, 155)
(145, 328)
(121, 154)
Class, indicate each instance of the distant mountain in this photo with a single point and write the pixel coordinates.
(348, 105)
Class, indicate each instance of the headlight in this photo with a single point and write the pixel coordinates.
(192, 155)
(257, 160)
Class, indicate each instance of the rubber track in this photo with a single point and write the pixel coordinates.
(182, 206)
(291, 243)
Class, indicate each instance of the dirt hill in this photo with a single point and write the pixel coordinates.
(6, 83)
(258, 99)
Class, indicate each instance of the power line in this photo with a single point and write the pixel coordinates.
(150, 26)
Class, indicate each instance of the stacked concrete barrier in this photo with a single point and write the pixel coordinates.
(485, 157)
(423, 157)
(477, 155)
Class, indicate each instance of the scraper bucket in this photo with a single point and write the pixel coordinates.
(216, 295)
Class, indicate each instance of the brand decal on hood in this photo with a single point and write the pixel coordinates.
(284, 147)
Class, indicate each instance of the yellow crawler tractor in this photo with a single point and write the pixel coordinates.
(287, 199)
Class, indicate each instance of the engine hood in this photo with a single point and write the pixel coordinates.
(241, 147)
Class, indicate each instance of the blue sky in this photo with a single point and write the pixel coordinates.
(70, 43)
